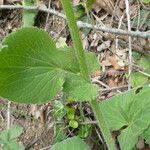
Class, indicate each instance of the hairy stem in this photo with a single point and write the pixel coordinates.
(79, 52)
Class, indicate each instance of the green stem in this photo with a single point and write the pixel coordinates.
(84, 71)
(76, 38)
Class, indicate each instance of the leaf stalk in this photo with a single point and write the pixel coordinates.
(79, 53)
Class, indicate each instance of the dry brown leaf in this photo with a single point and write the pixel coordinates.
(97, 73)
(1, 2)
(58, 4)
(85, 41)
(42, 5)
(95, 39)
(112, 83)
(122, 5)
(104, 45)
(106, 63)
(75, 2)
(107, 5)
(114, 62)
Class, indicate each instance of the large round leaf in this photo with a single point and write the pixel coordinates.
(33, 70)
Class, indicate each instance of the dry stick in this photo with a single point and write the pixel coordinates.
(119, 26)
(144, 73)
(8, 115)
(47, 17)
(130, 43)
(80, 23)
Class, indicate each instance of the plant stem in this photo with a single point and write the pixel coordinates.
(76, 38)
(79, 52)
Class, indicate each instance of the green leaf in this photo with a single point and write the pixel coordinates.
(7, 138)
(140, 122)
(146, 135)
(88, 4)
(33, 70)
(28, 67)
(81, 9)
(71, 113)
(127, 139)
(146, 1)
(75, 84)
(10, 134)
(74, 143)
(138, 79)
(73, 123)
(59, 133)
(114, 110)
(13, 146)
(59, 109)
(15, 132)
(131, 111)
(4, 136)
(139, 19)
(85, 130)
(145, 63)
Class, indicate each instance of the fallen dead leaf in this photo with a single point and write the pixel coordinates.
(1, 2)
(107, 5)
(41, 5)
(104, 46)
(75, 2)
(106, 63)
(114, 62)
(58, 4)
(112, 83)
(97, 73)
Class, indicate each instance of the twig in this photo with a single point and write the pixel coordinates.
(46, 148)
(8, 115)
(114, 31)
(95, 80)
(114, 88)
(80, 23)
(47, 17)
(119, 26)
(141, 71)
(144, 73)
(130, 43)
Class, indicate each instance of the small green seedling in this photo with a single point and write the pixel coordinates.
(8, 138)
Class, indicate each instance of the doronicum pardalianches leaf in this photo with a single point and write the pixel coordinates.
(74, 143)
(75, 84)
(139, 79)
(33, 70)
(129, 110)
(12, 133)
(146, 135)
(12, 145)
(129, 137)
